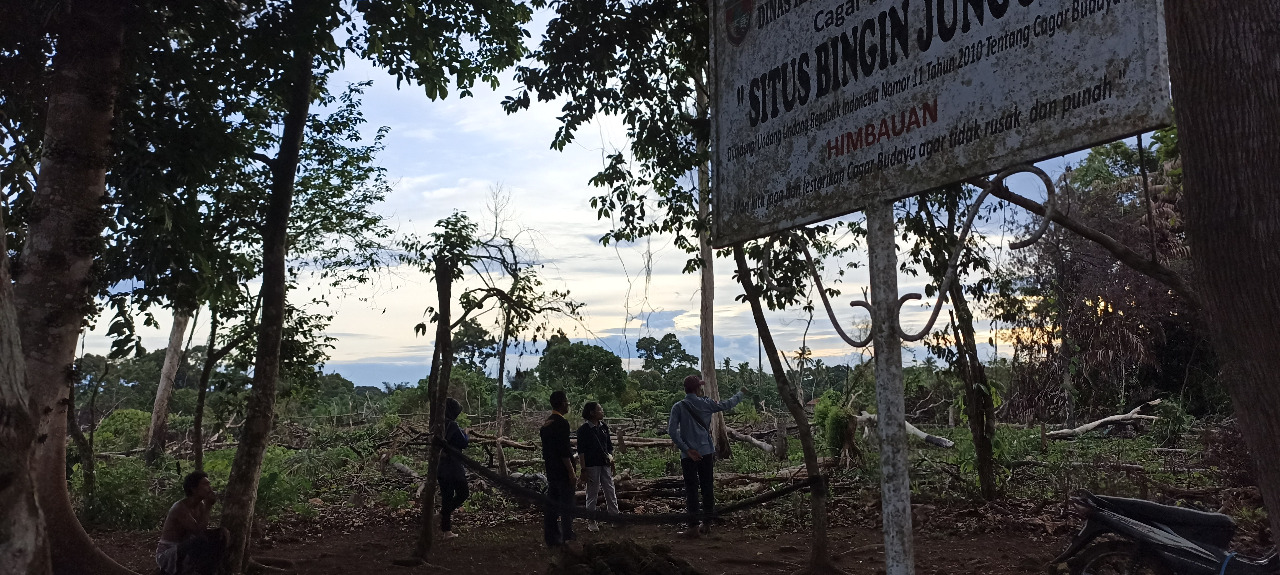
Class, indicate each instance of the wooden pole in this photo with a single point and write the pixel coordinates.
(895, 485)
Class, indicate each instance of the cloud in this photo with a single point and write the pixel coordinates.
(660, 320)
(354, 335)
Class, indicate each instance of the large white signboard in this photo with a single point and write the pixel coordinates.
(824, 105)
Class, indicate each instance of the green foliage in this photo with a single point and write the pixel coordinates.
(395, 499)
(283, 483)
(406, 400)
(305, 511)
(664, 355)
(748, 460)
(589, 370)
(655, 405)
(473, 345)
(830, 415)
(649, 462)
(180, 423)
(128, 493)
(286, 475)
(745, 414)
(123, 430)
(641, 61)
(1172, 423)
(472, 388)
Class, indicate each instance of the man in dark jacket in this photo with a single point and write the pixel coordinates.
(557, 455)
(452, 476)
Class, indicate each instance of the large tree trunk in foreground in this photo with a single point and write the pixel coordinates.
(63, 235)
(1224, 60)
(168, 372)
(819, 557)
(242, 486)
(437, 391)
(24, 546)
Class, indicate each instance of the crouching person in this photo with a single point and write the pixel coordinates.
(187, 545)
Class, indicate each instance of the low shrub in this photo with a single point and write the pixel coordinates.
(128, 494)
(123, 430)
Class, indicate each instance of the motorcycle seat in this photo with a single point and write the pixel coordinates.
(1213, 528)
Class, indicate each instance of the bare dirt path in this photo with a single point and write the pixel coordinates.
(512, 545)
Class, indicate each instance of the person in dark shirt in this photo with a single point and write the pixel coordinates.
(595, 447)
(557, 455)
(452, 475)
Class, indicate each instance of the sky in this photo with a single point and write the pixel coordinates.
(452, 154)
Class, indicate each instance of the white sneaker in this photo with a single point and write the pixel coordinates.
(448, 535)
(593, 526)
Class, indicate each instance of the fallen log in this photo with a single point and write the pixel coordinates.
(120, 454)
(413, 475)
(482, 439)
(747, 439)
(1131, 416)
(866, 420)
(522, 462)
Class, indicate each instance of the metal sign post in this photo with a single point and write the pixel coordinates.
(895, 485)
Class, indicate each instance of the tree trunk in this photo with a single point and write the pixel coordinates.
(51, 292)
(211, 360)
(706, 311)
(202, 389)
(706, 315)
(84, 448)
(819, 557)
(437, 390)
(160, 409)
(502, 384)
(242, 485)
(1226, 87)
(24, 546)
(978, 405)
(1066, 348)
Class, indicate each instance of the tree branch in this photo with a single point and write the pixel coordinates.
(1123, 253)
(261, 157)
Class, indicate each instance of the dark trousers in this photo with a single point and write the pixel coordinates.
(201, 554)
(699, 476)
(452, 494)
(557, 524)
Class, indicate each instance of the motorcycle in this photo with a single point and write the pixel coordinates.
(1132, 537)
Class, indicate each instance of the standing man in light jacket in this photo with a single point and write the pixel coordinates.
(690, 429)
